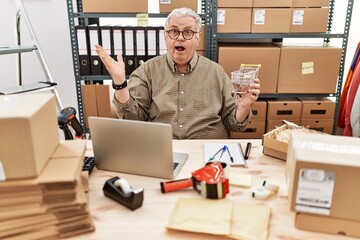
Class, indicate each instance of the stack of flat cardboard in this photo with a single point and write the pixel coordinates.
(53, 205)
(41, 190)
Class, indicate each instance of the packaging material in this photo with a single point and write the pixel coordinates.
(233, 20)
(321, 171)
(273, 124)
(272, 4)
(330, 225)
(255, 129)
(167, 6)
(320, 125)
(308, 69)
(234, 3)
(276, 142)
(258, 109)
(315, 108)
(115, 6)
(283, 109)
(271, 20)
(268, 55)
(309, 20)
(29, 134)
(310, 3)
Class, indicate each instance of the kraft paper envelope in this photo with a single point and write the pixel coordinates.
(221, 217)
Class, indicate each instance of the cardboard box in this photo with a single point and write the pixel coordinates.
(308, 69)
(256, 129)
(271, 20)
(268, 55)
(317, 108)
(29, 134)
(272, 146)
(115, 6)
(233, 20)
(330, 225)
(273, 124)
(272, 4)
(320, 125)
(104, 95)
(97, 100)
(166, 6)
(89, 102)
(258, 109)
(235, 3)
(309, 20)
(283, 109)
(310, 3)
(322, 170)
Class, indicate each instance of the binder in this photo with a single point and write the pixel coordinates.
(152, 42)
(83, 50)
(140, 46)
(162, 44)
(106, 43)
(94, 37)
(129, 57)
(118, 42)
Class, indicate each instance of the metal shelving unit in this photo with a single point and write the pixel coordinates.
(243, 37)
(47, 85)
(78, 17)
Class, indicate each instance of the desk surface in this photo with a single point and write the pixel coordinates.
(114, 221)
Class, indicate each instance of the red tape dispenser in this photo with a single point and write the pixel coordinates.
(209, 181)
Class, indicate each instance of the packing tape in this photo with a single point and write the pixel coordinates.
(260, 192)
(271, 185)
(124, 185)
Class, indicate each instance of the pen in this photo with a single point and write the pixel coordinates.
(247, 151)
(222, 152)
(213, 157)
(231, 158)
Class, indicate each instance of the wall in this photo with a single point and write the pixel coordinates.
(50, 22)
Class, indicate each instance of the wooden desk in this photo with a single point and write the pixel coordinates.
(114, 221)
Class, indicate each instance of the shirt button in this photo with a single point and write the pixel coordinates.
(180, 126)
(182, 92)
(181, 109)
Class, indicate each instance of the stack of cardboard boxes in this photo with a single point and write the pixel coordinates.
(318, 114)
(278, 16)
(41, 189)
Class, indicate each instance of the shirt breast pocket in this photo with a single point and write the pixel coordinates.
(203, 102)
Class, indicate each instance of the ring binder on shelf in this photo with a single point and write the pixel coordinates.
(106, 43)
(96, 64)
(141, 47)
(129, 57)
(84, 60)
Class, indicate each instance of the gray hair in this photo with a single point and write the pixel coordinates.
(182, 12)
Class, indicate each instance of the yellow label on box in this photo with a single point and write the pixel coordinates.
(142, 19)
(307, 68)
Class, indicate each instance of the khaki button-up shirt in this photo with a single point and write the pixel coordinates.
(197, 104)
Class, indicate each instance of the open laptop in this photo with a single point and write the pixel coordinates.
(135, 147)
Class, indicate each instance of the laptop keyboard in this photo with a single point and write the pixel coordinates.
(175, 165)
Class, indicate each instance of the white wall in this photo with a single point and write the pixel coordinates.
(50, 22)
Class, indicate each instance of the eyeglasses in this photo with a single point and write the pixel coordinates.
(187, 34)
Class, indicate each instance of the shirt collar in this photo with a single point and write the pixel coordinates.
(191, 64)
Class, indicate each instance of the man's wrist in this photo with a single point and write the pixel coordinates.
(119, 86)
